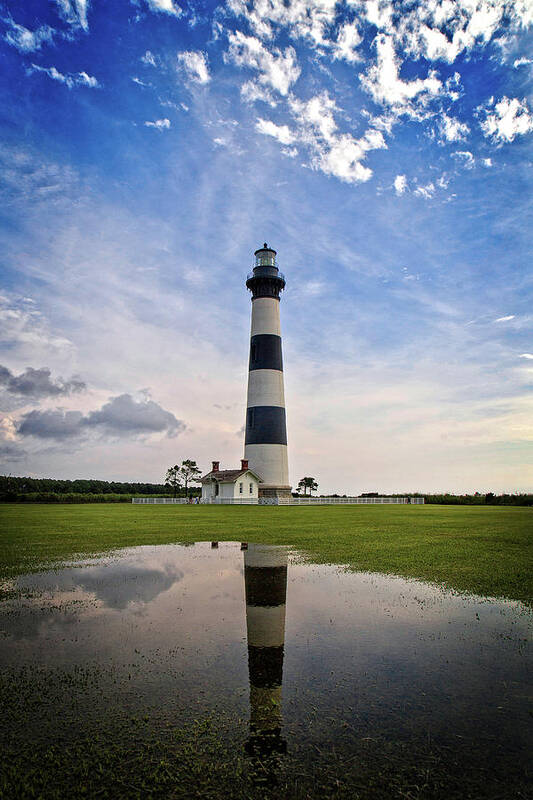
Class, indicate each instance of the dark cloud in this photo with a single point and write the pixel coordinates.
(120, 416)
(123, 415)
(10, 451)
(37, 383)
(58, 424)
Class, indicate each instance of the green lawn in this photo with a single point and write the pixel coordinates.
(470, 548)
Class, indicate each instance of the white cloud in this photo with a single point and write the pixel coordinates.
(487, 162)
(400, 184)
(383, 82)
(509, 119)
(70, 79)
(159, 124)
(195, 65)
(505, 319)
(304, 19)
(333, 153)
(440, 30)
(165, 7)
(316, 115)
(451, 129)
(277, 69)
(526, 355)
(426, 191)
(25, 40)
(521, 62)
(139, 82)
(435, 31)
(280, 132)
(348, 39)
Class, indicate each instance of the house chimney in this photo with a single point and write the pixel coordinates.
(216, 466)
(244, 463)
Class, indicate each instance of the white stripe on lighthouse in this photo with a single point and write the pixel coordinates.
(265, 316)
(265, 626)
(265, 555)
(270, 461)
(265, 388)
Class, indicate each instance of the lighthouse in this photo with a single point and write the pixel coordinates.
(265, 444)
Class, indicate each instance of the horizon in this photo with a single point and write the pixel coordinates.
(382, 149)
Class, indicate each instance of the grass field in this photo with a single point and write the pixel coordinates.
(479, 549)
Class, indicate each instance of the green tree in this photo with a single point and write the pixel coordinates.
(307, 483)
(173, 478)
(189, 472)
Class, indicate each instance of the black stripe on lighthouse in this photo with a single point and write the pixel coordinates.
(266, 425)
(265, 352)
(265, 586)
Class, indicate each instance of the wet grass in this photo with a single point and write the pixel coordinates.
(159, 754)
(486, 550)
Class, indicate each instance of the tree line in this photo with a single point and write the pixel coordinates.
(12, 487)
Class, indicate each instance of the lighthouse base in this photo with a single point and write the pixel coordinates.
(270, 494)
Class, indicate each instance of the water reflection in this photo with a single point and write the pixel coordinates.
(265, 577)
(380, 676)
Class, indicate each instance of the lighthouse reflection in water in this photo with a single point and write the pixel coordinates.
(265, 577)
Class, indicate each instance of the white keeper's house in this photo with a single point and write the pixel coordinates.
(221, 485)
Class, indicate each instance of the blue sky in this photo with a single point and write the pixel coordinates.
(384, 149)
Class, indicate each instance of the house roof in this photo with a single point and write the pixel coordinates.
(228, 475)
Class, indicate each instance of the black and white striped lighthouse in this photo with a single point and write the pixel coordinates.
(265, 577)
(265, 444)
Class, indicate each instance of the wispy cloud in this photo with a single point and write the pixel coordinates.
(70, 79)
(278, 69)
(426, 191)
(158, 124)
(25, 40)
(74, 12)
(505, 319)
(150, 59)
(452, 130)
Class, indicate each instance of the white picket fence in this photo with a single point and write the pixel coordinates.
(284, 501)
(328, 501)
(160, 500)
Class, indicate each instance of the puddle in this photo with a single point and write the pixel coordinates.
(217, 671)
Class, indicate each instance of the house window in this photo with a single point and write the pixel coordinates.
(240, 488)
(251, 488)
(216, 489)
